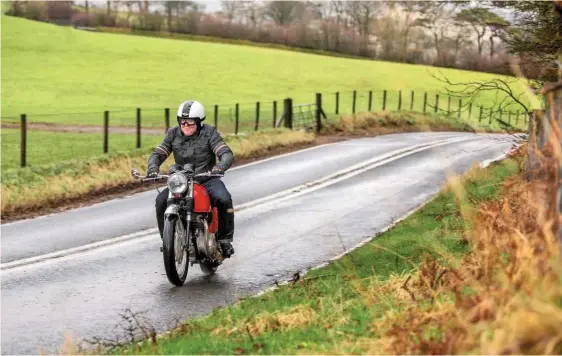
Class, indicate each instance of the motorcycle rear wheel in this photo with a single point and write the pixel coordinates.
(173, 227)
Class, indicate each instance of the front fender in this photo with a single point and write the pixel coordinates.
(172, 209)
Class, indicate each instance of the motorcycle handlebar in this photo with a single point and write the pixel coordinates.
(135, 174)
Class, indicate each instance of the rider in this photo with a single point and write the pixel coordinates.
(193, 140)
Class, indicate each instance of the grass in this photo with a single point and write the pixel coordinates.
(49, 185)
(369, 123)
(49, 147)
(63, 71)
(339, 308)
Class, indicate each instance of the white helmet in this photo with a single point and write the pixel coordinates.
(191, 109)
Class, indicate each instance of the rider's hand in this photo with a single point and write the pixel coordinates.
(152, 173)
(217, 170)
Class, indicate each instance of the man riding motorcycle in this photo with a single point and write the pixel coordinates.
(194, 142)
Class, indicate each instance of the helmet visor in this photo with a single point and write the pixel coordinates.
(187, 122)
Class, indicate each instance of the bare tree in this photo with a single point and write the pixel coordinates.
(283, 12)
(231, 9)
(363, 13)
(437, 17)
(252, 12)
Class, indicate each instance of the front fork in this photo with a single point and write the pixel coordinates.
(174, 209)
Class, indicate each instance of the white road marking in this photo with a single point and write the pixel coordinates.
(258, 203)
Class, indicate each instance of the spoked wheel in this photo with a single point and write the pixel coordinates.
(176, 255)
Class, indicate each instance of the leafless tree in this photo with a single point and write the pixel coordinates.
(231, 9)
(438, 18)
(284, 12)
(363, 13)
(253, 13)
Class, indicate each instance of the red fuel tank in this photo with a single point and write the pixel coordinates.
(202, 201)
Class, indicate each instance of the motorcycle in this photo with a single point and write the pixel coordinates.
(190, 224)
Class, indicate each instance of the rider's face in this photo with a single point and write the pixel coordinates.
(188, 126)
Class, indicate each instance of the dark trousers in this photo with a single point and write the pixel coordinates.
(220, 197)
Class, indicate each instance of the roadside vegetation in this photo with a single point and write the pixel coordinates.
(473, 271)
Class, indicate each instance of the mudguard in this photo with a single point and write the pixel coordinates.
(172, 209)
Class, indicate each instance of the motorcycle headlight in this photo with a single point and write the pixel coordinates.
(177, 183)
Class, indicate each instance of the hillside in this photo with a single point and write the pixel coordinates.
(49, 69)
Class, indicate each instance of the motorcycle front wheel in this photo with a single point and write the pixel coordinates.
(176, 257)
(209, 267)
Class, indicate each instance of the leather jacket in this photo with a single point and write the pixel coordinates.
(202, 149)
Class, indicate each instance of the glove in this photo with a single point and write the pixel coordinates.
(217, 170)
(152, 172)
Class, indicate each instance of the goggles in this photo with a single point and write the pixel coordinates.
(187, 122)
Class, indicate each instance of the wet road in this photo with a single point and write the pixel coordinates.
(83, 294)
(119, 217)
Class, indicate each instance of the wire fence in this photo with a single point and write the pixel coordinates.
(39, 139)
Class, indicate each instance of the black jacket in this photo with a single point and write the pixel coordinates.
(202, 148)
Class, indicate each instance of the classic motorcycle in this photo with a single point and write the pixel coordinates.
(190, 224)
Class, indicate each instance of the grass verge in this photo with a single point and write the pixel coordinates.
(386, 122)
(460, 275)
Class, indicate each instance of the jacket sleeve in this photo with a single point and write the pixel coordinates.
(221, 150)
(162, 151)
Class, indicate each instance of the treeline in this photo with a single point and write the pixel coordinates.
(464, 35)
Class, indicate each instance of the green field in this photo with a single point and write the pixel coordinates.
(48, 70)
(49, 147)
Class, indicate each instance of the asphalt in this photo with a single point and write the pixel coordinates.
(131, 214)
(83, 294)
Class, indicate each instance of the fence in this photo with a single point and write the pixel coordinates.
(85, 134)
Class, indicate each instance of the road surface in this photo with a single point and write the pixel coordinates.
(83, 293)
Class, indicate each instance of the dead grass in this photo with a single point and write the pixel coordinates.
(384, 122)
(506, 293)
(296, 317)
(40, 191)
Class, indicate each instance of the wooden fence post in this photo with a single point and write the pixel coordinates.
(384, 100)
(337, 102)
(138, 128)
(167, 118)
(318, 112)
(274, 113)
(257, 116)
(216, 114)
(370, 99)
(480, 116)
(237, 119)
(412, 101)
(23, 142)
(106, 131)
(288, 113)
(354, 100)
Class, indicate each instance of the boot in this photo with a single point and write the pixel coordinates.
(226, 233)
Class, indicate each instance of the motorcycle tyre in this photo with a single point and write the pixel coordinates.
(209, 268)
(169, 253)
